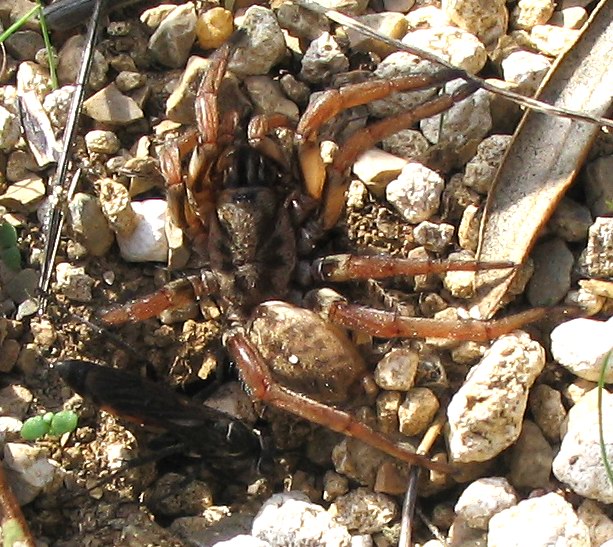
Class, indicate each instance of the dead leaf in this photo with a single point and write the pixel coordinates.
(545, 156)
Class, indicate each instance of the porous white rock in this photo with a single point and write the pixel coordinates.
(397, 369)
(538, 522)
(364, 511)
(486, 414)
(147, 243)
(291, 519)
(579, 462)
(417, 411)
(581, 346)
(416, 193)
(484, 498)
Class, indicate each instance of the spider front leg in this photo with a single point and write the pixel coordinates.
(332, 182)
(174, 295)
(262, 386)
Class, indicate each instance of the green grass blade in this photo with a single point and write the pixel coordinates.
(19, 23)
(50, 52)
(603, 447)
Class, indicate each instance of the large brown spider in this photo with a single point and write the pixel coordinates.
(235, 207)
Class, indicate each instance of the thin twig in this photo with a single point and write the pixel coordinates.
(59, 184)
(528, 102)
(15, 529)
(410, 498)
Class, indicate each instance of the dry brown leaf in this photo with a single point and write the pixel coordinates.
(545, 155)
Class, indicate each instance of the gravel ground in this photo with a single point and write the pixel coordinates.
(521, 411)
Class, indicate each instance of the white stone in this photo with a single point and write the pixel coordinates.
(291, 519)
(486, 20)
(322, 59)
(484, 498)
(416, 193)
(377, 166)
(458, 47)
(147, 243)
(73, 282)
(102, 142)
(486, 414)
(396, 371)
(538, 522)
(363, 510)
(599, 524)
(579, 462)
(581, 346)
(525, 69)
(529, 13)
(417, 411)
(10, 129)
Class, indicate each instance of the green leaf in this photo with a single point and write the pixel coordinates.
(8, 236)
(34, 428)
(64, 421)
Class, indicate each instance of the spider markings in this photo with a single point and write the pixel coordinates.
(231, 206)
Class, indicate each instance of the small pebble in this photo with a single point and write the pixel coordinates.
(322, 59)
(33, 77)
(454, 45)
(484, 498)
(486, 20)
(25, 195)
(598, 523)
(548, 411)
(572, 17)
(302, 23)
(531, 458)
(525, 69)
(358, 461)
(398, 65)
(172, 40)
(376, 168)
(460, 129)
(267, 97)
(130, 80)
(482, 168)
(434, 236)
(57, 105)
(180, 104)
(388, 403)
(579, 461)
(111, 106)
(581, 346)
(30, 470)
(214, 27)
(364, 511)
(529, 13)
(388, 23)
(73, 282)
(335, 485)
(10, 129)
(409, 144)
(486, 414)
(102, 142)
(396, 371)
(571, 220)
(460, 284)
(553, 263)
(552, 40)
(416, 193)
(15, 401)
(69, 61)
(597, 258)
(417, 411)
(89, 224)
(539, 522)
(147, 243)
(598, 187)
(263, 45)
(291, 519)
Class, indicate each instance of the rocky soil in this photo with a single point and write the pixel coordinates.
(520, 412)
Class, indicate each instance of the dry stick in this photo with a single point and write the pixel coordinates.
(59, 187)
(528, 102)
(410, 498)
(14, 526)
